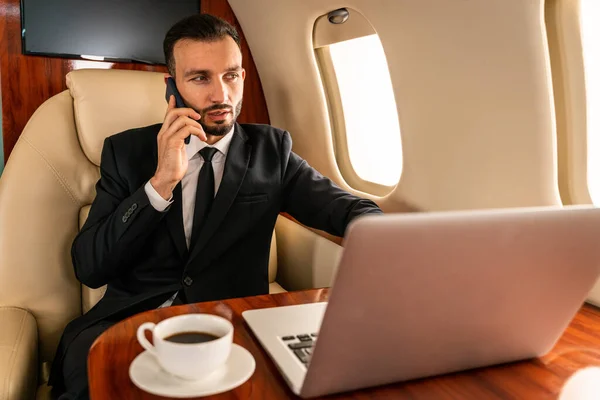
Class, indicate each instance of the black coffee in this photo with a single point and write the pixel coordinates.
(191, 337)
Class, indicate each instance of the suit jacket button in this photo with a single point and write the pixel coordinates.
(133, 206)
(187, 281)
(125, 218)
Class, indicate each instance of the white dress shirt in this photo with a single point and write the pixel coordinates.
(189, 183)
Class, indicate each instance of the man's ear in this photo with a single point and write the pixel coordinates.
(167, 76)
(243, 74)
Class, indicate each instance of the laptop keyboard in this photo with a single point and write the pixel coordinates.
(301, 345)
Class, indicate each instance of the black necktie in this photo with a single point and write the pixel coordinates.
(205, 193)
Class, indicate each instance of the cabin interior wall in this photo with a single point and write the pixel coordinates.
(473, 91)
(27, 81)
(1, 144)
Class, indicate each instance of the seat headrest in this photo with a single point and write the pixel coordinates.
(111, 101)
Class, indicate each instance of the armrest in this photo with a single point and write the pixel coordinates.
(18, 354)
(305, 260)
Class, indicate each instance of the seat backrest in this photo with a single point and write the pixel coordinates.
(98, 114)
(49, 183)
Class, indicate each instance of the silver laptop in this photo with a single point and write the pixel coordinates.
(426, 294)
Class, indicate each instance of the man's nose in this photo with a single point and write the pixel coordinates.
(219, 92)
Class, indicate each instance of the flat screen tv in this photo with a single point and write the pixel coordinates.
(110, 30)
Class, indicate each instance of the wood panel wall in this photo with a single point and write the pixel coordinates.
(27, 81)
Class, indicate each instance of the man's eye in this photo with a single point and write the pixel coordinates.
(200, 79)
(232, 75)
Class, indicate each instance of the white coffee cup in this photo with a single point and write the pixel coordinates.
(191, 361)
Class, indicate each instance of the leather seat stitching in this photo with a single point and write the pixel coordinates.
(57, 174)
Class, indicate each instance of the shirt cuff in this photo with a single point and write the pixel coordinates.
(156, 199)
(169, 301)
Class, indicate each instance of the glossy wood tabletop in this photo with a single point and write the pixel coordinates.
(541, 378)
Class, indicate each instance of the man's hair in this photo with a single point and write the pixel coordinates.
(200, 27)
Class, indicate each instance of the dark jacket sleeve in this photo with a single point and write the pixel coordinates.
(117, 226)
(315, 200)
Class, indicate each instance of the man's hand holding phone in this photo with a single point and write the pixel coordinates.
(179, 123)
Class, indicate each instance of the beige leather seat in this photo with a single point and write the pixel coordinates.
(45, 193)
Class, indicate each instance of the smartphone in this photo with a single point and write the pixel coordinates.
(172, 91)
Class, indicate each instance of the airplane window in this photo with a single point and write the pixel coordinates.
(369, 109)
(590, 15)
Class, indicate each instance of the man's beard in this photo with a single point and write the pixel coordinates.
(220, 128)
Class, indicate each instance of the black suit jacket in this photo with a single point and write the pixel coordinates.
(141, 253)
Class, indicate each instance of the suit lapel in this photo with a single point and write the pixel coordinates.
(236, 166)
(174, 219)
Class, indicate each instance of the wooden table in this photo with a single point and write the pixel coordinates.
(543, 378)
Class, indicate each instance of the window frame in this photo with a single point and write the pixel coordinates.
(565, 49)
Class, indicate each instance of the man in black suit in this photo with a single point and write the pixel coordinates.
(174, 223)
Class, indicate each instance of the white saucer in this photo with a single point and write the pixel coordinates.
(146, 373)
